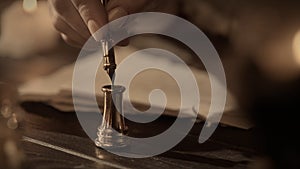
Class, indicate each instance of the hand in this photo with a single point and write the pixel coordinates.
(77, 20)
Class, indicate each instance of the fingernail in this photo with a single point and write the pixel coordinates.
(93, 28)
(116, 13)
(63, 36)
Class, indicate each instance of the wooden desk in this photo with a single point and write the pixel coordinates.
(54, 139)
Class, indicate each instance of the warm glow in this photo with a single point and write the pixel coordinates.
(296, 47)
(29, 5)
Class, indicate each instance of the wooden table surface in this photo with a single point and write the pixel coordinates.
(53, 139)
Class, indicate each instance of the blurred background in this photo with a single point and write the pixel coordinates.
(258, 42)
